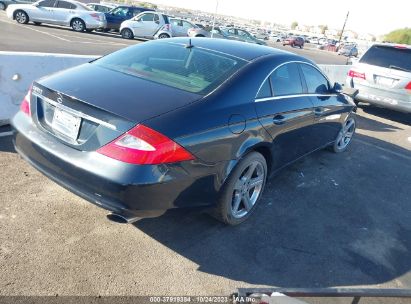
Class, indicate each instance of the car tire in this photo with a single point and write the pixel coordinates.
(301, 46)
(127, 33)
(78, 25)
(344, 137)
(37, 23)
(21, 17)
(163, 36)
(200, 36)
(238, 186)
(2, 6)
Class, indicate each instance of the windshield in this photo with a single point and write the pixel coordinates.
(190, 69)
(388, 57)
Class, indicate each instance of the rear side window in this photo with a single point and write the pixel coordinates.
(66, 5)
(265, 90)
(190, 69)
(316, 82)
(388, 57)
(286, 80)
(47, 3)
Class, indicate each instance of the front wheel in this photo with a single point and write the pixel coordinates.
(242, 190)
(2, 6)
(21, 17)
(78, 25)
(345, 135)
(127, 34)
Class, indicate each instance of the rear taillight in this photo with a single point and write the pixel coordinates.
(25, 104)
(356, 74)
(408, 87)
(95, 16)
(144, 146)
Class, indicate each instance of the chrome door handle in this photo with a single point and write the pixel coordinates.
(279, 120)
(319, 111)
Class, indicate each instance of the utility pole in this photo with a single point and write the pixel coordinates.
(342, 31)
(215, 14)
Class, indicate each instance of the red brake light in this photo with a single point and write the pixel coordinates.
(25, 104)
(144, 146)
(408, 86)
(355, 74)
(95, 16)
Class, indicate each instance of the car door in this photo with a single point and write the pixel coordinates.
(328, 106)
(43, 12)
(63, 12)
(147, 25)
(286, 113)
(186, 26)
(176, 27)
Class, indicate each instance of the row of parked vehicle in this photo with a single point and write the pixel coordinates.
(129, 21)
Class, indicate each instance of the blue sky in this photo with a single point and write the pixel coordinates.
(366, 16)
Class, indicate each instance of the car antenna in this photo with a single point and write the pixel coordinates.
(189, 45)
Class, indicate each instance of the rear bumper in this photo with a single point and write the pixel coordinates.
(93, 25)
(381, 97)
(126, 189)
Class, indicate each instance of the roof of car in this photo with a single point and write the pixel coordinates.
(244, 50)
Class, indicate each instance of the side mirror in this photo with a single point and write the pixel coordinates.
(337, 88)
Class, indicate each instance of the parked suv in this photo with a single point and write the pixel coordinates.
(146, 25)
(383, 77)
(294, 41)
(59, 12)
(122, 13)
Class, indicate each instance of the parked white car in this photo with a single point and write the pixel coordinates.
(146, 25)
(60, 12)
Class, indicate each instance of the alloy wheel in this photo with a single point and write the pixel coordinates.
(247, 189)
(21, 17)
(77, 25)
(346, 133)
(163, 36)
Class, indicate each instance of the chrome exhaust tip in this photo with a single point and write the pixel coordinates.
(121, 219)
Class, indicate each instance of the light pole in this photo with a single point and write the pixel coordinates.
(215, 14)
(342, 31)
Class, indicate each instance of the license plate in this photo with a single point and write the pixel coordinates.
(384, 81)
(66, 123)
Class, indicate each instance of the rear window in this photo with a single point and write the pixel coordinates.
(388, 57)
(190, 69)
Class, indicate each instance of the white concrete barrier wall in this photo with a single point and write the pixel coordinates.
(18, 70)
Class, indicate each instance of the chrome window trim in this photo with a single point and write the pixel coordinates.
(293, 96)
(284, 63)
(74, 112)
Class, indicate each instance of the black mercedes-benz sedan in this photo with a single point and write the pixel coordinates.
(178, 123)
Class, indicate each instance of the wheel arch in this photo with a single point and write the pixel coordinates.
(19, 10)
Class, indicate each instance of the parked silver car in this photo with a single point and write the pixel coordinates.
(180, 27)
(146, 25)
(383, 77)
(60, 12)
(100, 7)
(206, 32)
